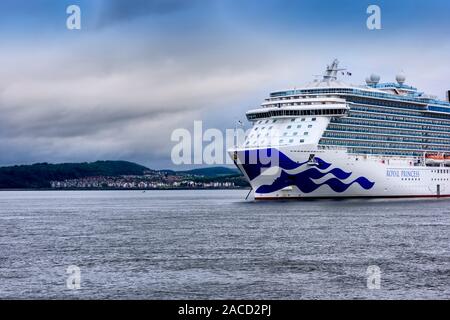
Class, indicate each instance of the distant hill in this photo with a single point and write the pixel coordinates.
(38, 176)
(211, 172)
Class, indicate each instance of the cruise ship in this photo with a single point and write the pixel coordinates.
(333, 140)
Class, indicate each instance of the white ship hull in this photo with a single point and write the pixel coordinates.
(336, 174)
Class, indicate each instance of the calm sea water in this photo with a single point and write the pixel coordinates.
(215, 245)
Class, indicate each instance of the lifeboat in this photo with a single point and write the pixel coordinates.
(447, 159)
(435, 159)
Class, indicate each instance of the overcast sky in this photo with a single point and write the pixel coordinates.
(138, 69)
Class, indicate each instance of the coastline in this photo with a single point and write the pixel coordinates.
(119, 189)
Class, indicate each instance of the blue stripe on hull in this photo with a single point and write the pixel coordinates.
(253, 161)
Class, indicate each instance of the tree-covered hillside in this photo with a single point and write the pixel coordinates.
(39, 175)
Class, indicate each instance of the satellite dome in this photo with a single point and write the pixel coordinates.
(368, 81)
(400, 78)
(374, 78)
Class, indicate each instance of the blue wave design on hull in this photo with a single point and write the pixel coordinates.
(304, 183)
(253, 161)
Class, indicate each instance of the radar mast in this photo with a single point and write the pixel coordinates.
(332, 71)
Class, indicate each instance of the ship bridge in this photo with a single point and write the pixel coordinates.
(300, 106)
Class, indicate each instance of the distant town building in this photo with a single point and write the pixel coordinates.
(147, 181)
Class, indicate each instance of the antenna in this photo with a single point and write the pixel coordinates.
(331, 71)
(238, 124)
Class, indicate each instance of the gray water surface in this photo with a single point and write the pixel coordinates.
(215, 245)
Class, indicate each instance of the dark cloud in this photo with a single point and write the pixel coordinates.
(96, 98)
(117, 93)
(116, 11)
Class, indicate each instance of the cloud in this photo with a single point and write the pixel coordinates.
(97, 99)
(118, 92)
(117, 11)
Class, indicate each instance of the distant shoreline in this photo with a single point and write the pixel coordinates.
(115, 175)
(117, 189)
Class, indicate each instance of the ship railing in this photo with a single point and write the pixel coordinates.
(333, 148)
(372, 155)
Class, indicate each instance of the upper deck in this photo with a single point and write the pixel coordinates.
(394, 94)
(415, 102)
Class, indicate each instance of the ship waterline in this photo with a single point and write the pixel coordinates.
(330, 140)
